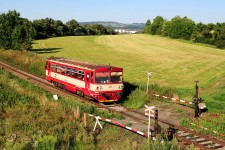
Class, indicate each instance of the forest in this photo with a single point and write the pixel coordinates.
(18, 33)
(187, 29)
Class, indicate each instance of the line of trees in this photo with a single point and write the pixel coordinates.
(185, 28)
(49, 27)
(17, 33)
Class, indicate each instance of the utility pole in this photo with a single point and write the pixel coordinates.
(196, 89)
(196, 100)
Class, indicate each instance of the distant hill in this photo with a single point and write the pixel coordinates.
(117, 25)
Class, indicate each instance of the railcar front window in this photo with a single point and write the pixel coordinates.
(116, 77)
(102, 77)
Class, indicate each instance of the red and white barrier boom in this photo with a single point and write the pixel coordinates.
(173, 99)
(116, 123)
(215, 132)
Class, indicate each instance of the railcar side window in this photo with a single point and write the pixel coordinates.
(81, 75)
(78, 74)
(68, 71)
(63, 70)
(53, 67)
(58, 69)
(74, 73)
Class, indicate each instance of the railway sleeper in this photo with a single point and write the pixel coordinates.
(216, 146)
(200, 140)
(206, 143)
(184, 134)
(193, 137)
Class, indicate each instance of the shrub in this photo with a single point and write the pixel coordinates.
(137, 99)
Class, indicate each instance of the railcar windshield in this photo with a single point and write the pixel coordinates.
(116, 77)
(109, 77)
(102, 77)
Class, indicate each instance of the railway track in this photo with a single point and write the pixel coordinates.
(184, 135)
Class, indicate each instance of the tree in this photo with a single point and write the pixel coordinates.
(110, 31)
(156, 26)
(165, 28)
(180, 28)
(59, 28)
(202, 33)
(40, 29)
(48, 27)
(97, 29)
(148, 22)
(8, 22)
(89, 30)
(147, 28)
(74, 28)
(22, 36)
(16, 32)
(220, 38)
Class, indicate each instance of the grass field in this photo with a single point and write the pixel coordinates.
(175, 64)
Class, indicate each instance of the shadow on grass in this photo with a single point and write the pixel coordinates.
(128, 88)
(46, 50)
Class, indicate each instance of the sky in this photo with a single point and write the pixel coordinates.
(123, 11)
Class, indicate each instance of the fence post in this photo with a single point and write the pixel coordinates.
(85, 119)
(156, 122)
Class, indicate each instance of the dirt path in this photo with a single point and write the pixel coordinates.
(171, 113)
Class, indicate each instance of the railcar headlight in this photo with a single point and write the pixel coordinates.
(121, 86)
(98, 87)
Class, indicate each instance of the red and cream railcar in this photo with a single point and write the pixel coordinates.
(101, 82)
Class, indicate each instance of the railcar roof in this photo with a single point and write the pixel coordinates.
(77, 63)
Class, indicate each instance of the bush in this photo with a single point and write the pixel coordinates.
(220, 43)
(137, 99)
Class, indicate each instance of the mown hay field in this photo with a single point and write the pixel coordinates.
(174, 63)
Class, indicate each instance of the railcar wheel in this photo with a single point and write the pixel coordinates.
(63, 87)
(55, 83)
(81, 93)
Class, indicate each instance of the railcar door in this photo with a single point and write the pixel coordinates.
(47, 67)
(88, 75)
(89, 79)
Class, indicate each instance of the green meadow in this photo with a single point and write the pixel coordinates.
(174, 63)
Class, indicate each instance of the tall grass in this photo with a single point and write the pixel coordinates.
(137, 99)
(213, 122)
(25, 60)
(37, 119)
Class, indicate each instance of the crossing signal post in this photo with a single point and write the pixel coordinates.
(150, 113)
(149, 74)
